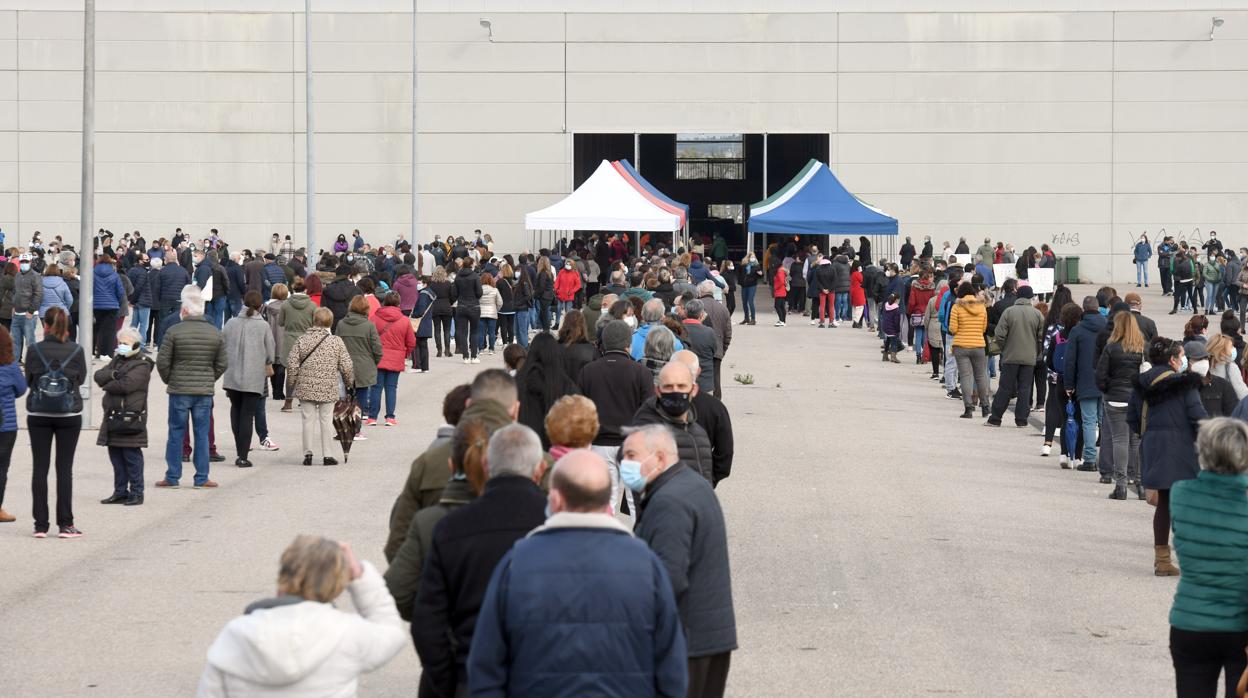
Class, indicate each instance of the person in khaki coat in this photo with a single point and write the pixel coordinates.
(363, 343)
(124, 382)
(1019, 333)
(316, 365)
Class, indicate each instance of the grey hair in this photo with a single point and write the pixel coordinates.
(129, 335)
(660, 344)
(681, 273)
(192, 300)
(514, 450)
(658, 438)
(706, 288)
(693, 308)
(157, 262)
(1222, 445)
(652, 311)
(617, 276)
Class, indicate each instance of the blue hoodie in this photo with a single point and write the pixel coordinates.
(107, 287)
(55, 293)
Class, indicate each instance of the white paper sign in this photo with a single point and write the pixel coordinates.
(207, 290)
(1001, 272)
(963, 259)
(1040, 280)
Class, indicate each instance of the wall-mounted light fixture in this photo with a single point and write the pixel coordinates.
(489, 27)
(1217, 22)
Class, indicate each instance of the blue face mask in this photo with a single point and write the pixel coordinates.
(1104, 311)
(630, 475)
(1183, 364)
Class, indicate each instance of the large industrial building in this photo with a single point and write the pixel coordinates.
(1081, 124)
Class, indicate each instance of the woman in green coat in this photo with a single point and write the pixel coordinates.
(295, 317)
(1209, 618)
(364, 345)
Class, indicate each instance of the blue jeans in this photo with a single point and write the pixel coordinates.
(1211, 296)
(214, 310)
(233, 306)
(198, 408)
(920, 335)
(1141, 273)
(842, 306)
(387, 382)
(747, 302)
(561, 307)
(141, 318)
(489, 327)
(523, 320)
(23, 330)
(1091, 409)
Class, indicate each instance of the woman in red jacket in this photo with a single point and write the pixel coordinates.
(857, 297)
(567, 283)
(921, 291)
(397, 342)
(780, 291)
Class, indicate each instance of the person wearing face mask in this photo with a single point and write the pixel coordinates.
(681, 519)
(1165, 410)
(567, 285)
(1217, 395)
(672, 406)
(465, 549)
(125, 381)
(1223, 363)
(27, 300)
(751, 272)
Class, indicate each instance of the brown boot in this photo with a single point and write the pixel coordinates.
(6, 517)
(1162, 567)
(892, 356)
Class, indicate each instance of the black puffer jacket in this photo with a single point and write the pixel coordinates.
(441, 298)
(124, 381)
(840, 275)
(466, 291)
(337, 297)
(691, 439)
(825, 279)
(1116, 372)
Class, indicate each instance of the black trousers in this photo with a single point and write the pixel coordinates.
(936, 362)
(507, 326)
(7, 439)
(1183, 293)
(43, 431)
(708, 676)
(104, 329)
(442, 333)
(730, 300)
(467, 331)
(781, 308)
(797, 299)
(1200, 657)
(719, 372)
(1167, 279)
(420, 355)
(277, 382)
(243, 408)
(127, 470)
(1016, 380)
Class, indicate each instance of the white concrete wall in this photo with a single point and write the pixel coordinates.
(1079, 128)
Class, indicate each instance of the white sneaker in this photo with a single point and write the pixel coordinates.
(779, 324)
(490, 352)
(467, 360)
(814, 322)
(414, 370)
(476, 360)
(361, 437)
(1046, 450)
(268, 445)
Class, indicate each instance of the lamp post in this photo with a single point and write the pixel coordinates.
(86, 245)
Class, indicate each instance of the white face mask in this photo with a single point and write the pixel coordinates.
(632, 321)
(1201, 368)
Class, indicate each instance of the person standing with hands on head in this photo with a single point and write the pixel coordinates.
(681, 519)
(539, 634)
(191, 359)
(249, 350)
(125, 381)
(298, 644)
(55, 370)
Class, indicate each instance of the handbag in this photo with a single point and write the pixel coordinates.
(993, 347)
(126, 422)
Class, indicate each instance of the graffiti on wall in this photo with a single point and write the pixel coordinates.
(1064, 240)
(1192, 237)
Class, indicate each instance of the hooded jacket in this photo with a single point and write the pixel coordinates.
(306, 648)
(56, 293)
(124, 382)
(397, 338)
(466, 290)
(840, 275)
(337, 297)
(109, 294)
(1168, 431)
(363, 344)
(968, 321)
(428, 474)
(403, 574)
(1020, 331)
(824, 278)
(405, 286)
(294, 317)
(921, 291)
(1080, 369)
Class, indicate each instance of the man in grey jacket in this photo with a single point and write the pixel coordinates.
(27, 298)
(191, 359)
(680, 518)
(1019, 333)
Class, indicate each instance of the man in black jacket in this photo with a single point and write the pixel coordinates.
(682, 522)
(712, 416)
(672, 406)
(616, 384)
(466, 547)
(338, 294)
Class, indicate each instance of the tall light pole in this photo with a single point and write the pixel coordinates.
(310, 158)
(86, 245)
(415, 131)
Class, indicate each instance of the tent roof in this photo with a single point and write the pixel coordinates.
(815, 202)
(651, 192)
(609, 200)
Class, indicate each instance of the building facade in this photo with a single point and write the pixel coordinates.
(1078, 124)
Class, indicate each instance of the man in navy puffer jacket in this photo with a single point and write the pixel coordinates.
(540, 633)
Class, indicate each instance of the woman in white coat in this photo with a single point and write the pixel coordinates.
(298, 644)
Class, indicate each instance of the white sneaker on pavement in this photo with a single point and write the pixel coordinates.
(1046, 450)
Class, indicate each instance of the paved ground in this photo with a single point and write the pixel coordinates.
(880, 545)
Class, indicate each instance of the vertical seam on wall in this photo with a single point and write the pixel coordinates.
(17, 88)
(294, 146)
(1113, 98)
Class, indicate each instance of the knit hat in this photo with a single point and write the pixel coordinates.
(1026, 292)
(617, 336)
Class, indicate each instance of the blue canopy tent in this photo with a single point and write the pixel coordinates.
(815, 203)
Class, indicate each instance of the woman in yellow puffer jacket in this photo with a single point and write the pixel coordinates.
(968, 321)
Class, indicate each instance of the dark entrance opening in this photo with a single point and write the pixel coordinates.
(717, 174)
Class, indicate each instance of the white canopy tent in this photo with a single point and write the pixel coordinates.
(605, 201)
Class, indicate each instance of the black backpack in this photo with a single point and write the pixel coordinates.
(52, 392)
